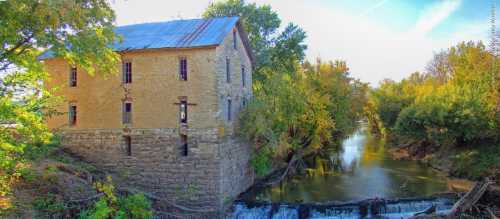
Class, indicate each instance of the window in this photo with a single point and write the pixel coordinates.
(183, 69)
(127, 72)
(72, 114)
(184, 146)
(228, 73)
(243, 76)
(128, 145)
(244, 102)
(72, 77)
(229, 110)
(127, 113)
(234, 39)
(183, 111)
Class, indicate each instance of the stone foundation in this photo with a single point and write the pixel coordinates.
(213, 173)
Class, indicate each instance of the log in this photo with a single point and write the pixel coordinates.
(469, 199)
(292, 161)
(430, 210)
(490, 212)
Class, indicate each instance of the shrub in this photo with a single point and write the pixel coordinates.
(49, 204)
(111, 206)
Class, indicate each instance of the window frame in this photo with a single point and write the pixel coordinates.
(73, 76)
(127, 72)
(228, 70)
(184, 145)
(243, 75)
(235, 39)
(128, 144)
(229, 109)
(72, 114)
(183, 108)
(126, 116)
(183, 68)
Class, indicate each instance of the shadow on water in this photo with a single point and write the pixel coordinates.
(357, 170)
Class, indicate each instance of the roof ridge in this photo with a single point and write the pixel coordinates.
(176, 20)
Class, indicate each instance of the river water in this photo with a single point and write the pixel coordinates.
(359, 169)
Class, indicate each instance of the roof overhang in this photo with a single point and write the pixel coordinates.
(246, 42)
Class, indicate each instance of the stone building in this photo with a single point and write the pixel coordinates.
(166, 123)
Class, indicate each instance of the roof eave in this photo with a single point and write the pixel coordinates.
(246, 42)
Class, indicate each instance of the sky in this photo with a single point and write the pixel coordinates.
(378, 39)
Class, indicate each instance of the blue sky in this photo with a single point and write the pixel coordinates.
(378, 38)
(403, 14)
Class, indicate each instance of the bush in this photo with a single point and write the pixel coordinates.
(261, 162)
(136, 206)
(449, 116)
(477, 163)
(111, 206)
(49, 204)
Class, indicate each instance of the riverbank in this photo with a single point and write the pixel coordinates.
(464, 163)
(463, 173)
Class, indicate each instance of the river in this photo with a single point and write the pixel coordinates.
(359, 169)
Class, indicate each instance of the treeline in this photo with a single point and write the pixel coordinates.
(298, 107)
(452, 107)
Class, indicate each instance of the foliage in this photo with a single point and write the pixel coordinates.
(455, 104)
(391, 97)
(262, 24)
(347, 96)
(479, 162)
(297, 107)
(78, 31)
(49, 204)
(261, 161)
(111, 206)
(296, 112)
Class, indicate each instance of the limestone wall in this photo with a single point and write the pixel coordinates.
(235, 155)
(156, 164)
(154, 91)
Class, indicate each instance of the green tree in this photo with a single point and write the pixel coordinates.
(452, 106)
(78, 31)
(286, 119)
(459, 111)
(347, 96)
(300, 112)
(262, 24)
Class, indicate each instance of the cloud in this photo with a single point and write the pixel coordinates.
(374, 7)
(435, 15)
(142, 11)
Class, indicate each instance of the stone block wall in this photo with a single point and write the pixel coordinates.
(215, 171)
(236, 172)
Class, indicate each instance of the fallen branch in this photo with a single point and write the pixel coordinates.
(428, 211)
(85, 200)
(285, 172)
(81, 174)
(490, 212)
(470, 199)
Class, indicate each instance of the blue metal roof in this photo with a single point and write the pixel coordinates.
(171, 34)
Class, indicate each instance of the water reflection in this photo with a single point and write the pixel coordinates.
(360, 170)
